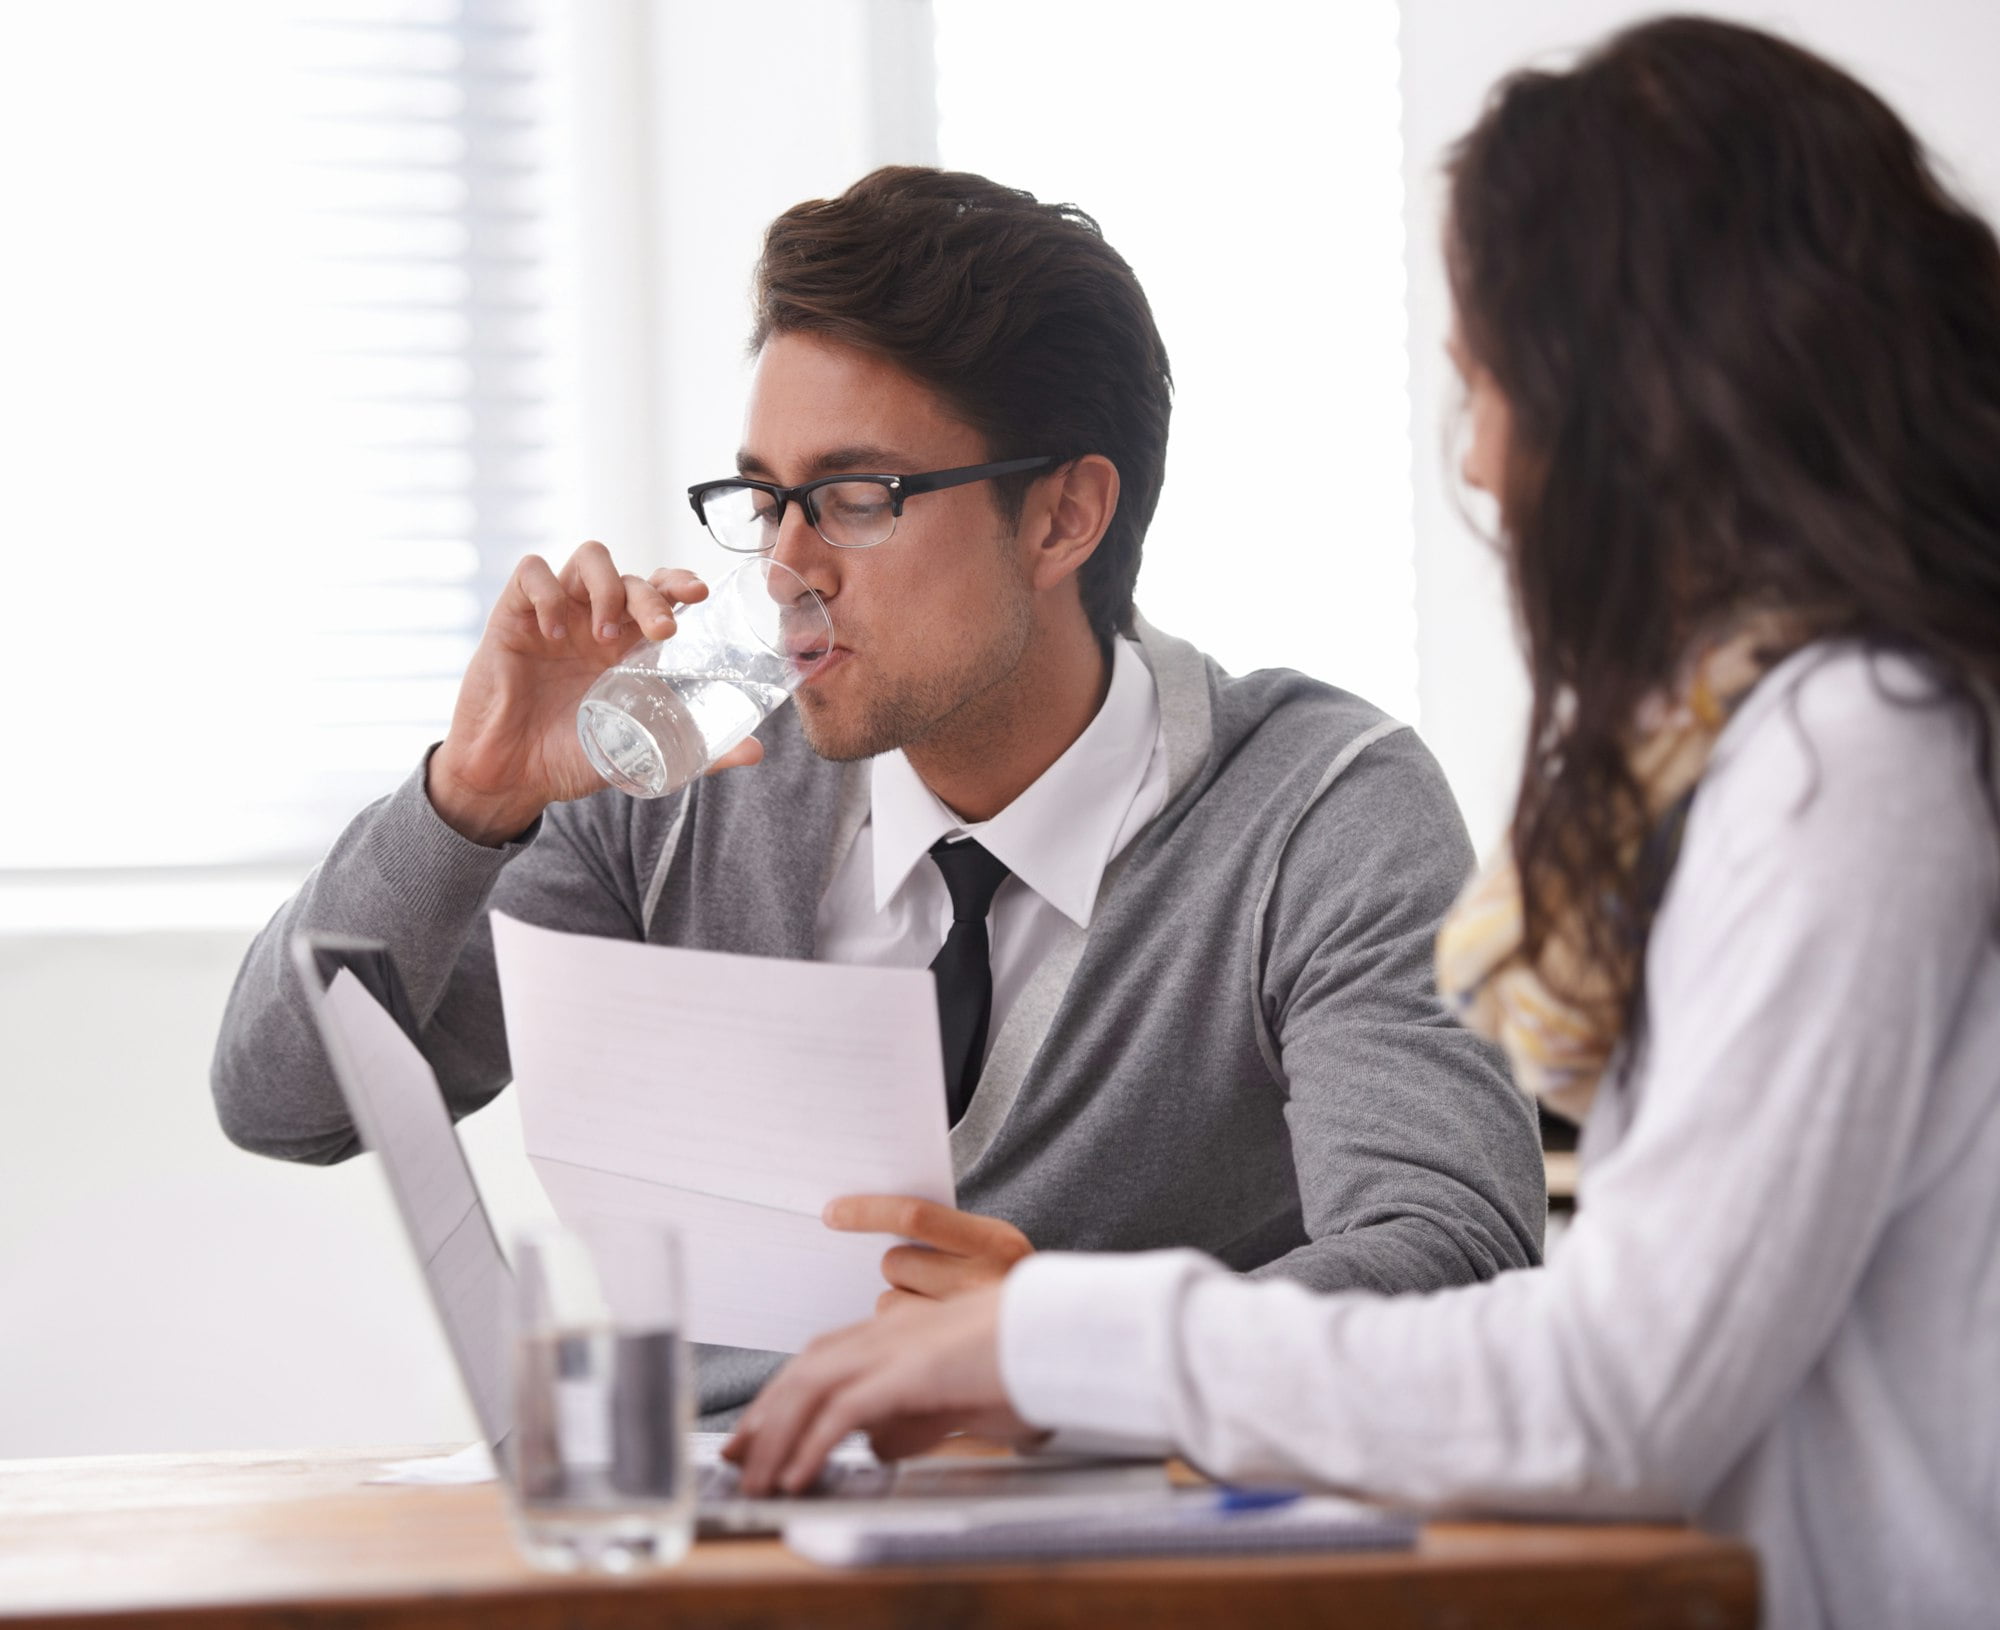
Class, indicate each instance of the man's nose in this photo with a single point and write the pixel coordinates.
(801, 548)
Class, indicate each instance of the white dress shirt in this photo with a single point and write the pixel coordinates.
(887, 904)
(1778, 1310)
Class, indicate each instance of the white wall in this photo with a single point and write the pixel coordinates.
(162, 1290)
(1932, 60)
(1249, 172)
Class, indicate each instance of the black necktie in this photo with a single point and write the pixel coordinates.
(964, 976)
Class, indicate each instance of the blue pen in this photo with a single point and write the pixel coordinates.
(1253, 1499)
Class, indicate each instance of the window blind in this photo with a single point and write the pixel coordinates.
(288, 410)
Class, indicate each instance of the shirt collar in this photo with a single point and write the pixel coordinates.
(1059, 834)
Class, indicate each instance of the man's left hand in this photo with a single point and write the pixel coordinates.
(955, 1251)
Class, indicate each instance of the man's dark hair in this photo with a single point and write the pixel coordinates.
(1017, 313)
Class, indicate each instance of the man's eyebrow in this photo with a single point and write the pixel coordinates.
(868, 460)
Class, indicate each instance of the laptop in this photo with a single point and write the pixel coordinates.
(368, 1025)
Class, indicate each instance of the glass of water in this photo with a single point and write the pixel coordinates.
(603, 1399)
(671, 708)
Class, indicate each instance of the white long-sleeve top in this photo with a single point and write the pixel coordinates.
(1778, 1310)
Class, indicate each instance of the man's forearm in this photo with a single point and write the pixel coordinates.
(1416, 1252)
(398, 875)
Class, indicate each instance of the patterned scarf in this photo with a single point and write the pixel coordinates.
(1559, 1019)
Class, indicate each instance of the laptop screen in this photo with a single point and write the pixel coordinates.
(363, 1016)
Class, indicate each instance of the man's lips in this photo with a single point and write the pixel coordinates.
(817, 666)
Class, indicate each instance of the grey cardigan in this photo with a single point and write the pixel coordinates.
(1244, 1053)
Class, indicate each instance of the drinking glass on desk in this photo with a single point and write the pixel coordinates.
(603, 1399)
(671, 708)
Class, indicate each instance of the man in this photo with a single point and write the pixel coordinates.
(1207, 1016)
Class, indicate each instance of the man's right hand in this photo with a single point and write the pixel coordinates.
(512, 748)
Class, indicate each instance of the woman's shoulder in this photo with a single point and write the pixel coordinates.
(1844, 744)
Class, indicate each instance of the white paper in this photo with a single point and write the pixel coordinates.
(472, 1464)
(396, 1103)
(730, 1097)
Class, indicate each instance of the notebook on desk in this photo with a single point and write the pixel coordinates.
(1184, 1522)
(367, 1024)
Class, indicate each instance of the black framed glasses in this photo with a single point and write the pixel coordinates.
(849, 511)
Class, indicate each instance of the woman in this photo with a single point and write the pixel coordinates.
(1733, 365)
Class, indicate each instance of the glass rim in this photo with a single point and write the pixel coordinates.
(807, 596)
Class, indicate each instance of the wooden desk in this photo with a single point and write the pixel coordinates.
(243, 1540)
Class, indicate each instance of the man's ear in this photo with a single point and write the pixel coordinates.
(1070, 511)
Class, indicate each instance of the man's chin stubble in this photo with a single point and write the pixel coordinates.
(905, 721)
(879, 730)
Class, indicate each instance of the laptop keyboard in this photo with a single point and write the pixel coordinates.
(719, 1480)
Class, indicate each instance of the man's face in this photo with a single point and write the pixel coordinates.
(927, 626)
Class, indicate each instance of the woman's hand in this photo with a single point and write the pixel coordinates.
(909, 1378)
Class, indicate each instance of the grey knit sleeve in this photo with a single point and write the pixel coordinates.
(1419, 1165)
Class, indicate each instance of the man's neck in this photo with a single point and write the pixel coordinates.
(999, 745)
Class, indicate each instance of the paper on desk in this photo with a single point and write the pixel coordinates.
(472, 1464)
(730, 1097)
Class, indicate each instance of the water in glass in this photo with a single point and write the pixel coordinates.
(652, 732)
(601, 1474)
